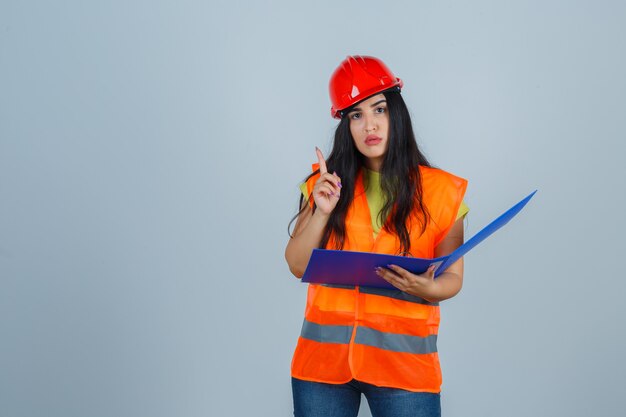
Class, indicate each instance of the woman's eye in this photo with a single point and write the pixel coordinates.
(380, 110)
(355, 116)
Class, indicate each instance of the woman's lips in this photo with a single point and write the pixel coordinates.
(372, 140)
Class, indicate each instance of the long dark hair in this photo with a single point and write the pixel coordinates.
(399, 177)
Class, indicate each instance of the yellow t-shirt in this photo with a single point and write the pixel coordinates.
(374, 195)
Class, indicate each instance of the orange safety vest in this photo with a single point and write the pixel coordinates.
(380, 336)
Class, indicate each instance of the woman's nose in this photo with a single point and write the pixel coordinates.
(370, 124)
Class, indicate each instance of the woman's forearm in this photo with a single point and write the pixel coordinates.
(445, 286)
(306, 238)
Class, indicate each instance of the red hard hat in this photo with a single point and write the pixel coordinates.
(357, 78)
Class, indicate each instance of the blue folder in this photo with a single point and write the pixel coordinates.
(357, 268)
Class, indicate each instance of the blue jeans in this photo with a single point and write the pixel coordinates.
(314, 399)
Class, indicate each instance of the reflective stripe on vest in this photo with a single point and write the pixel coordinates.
(396, 342)
(386, 292)
(366, 336)
(326, 333)
(379, 336)
(396, 294)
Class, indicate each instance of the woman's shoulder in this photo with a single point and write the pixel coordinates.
(443, 193)
(437, 177)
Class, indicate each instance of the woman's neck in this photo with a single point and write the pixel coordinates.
(373, 164)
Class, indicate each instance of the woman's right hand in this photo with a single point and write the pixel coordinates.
(310, 226)
(327, 188)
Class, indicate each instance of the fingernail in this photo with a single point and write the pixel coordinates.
(339, 184)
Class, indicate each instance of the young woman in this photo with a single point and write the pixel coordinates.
(375, 193)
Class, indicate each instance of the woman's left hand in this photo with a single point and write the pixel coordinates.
(418, 285)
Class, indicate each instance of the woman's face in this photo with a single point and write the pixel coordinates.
(369, 125)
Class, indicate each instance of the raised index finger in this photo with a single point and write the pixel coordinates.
(321, 160)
